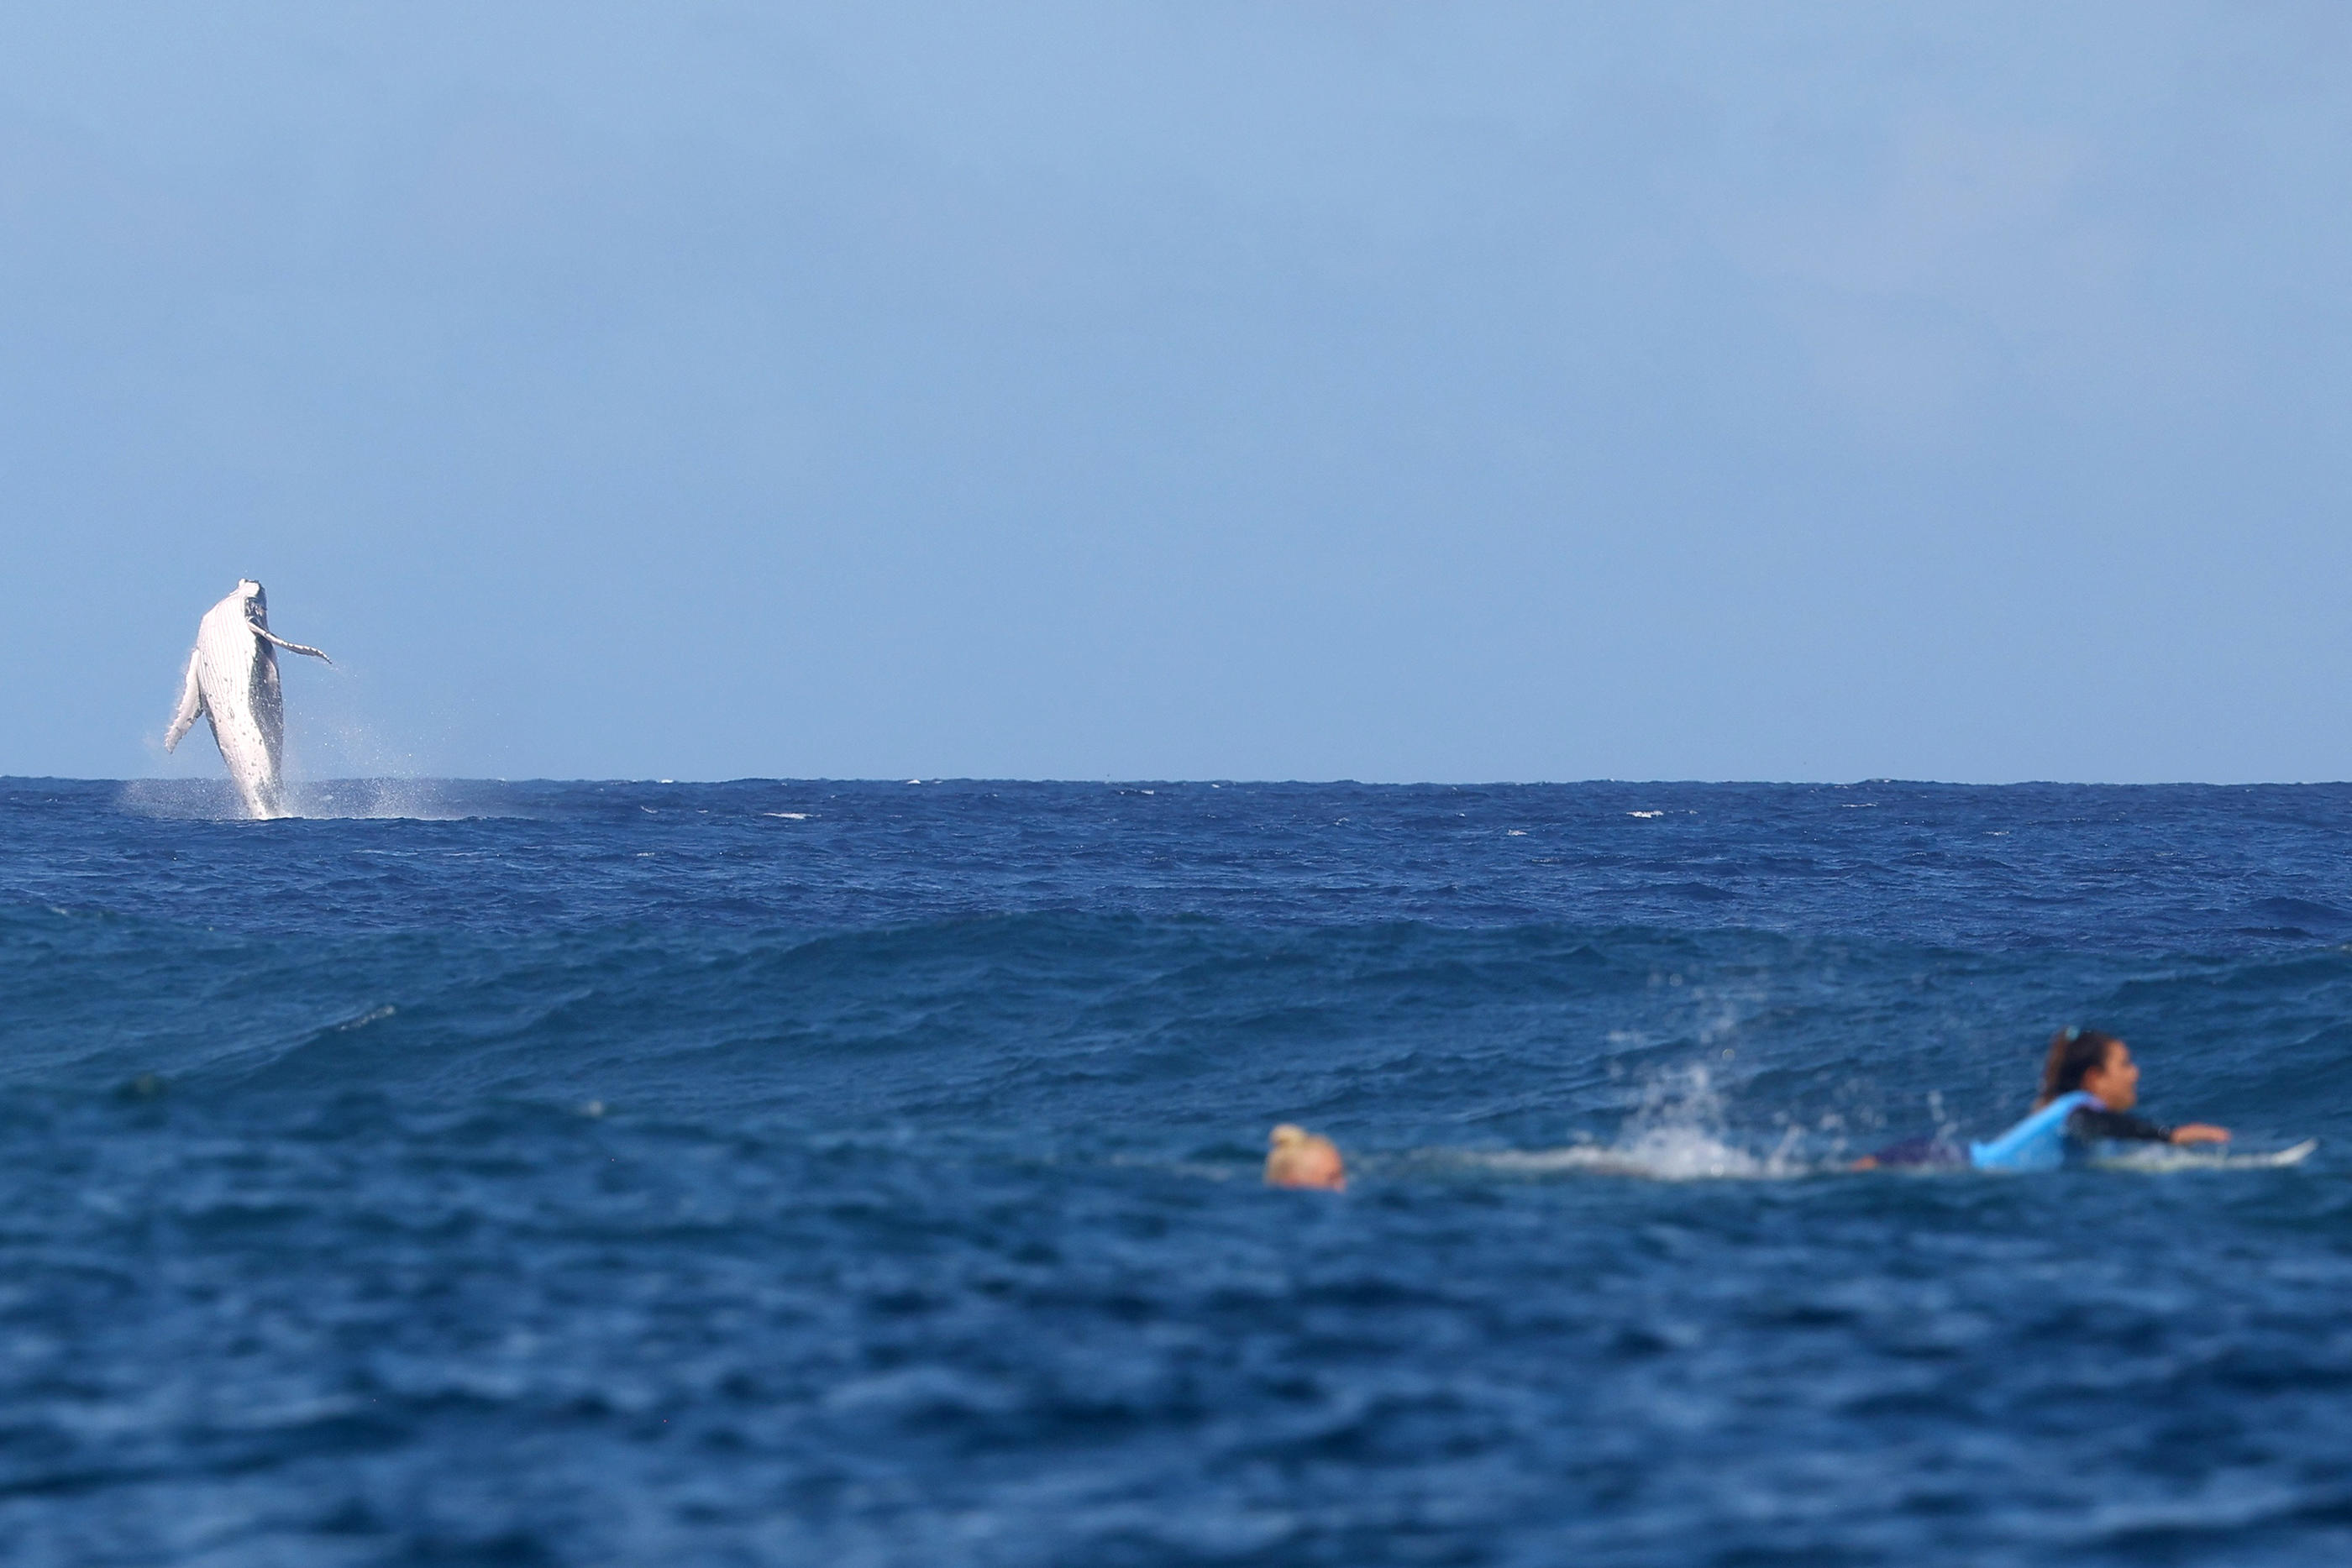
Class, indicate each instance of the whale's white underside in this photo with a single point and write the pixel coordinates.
(232, 680)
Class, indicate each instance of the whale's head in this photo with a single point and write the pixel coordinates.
(256, 603)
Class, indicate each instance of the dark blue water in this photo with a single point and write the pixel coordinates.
(866, 1173)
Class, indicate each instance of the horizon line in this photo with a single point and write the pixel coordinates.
(1879, 782)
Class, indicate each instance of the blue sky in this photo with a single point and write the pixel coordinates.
(1187, 390)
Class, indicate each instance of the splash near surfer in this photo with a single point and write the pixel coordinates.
(232, 680)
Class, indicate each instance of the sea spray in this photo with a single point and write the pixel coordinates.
(1679, 1132)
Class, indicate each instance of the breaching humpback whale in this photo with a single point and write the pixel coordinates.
(233, 681)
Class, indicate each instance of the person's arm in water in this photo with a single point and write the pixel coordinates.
(2090, 1124)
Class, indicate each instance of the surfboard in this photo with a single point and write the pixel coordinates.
(2172, 1157)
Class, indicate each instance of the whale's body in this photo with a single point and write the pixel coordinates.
(232, 680)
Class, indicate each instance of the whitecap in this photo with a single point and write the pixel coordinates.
(1660, 1154)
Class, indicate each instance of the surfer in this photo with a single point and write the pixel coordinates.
(2089, 1085)
(1297, 1158)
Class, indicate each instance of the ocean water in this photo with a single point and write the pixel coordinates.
(866, 1173)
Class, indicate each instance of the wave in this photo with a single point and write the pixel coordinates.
(2152, 871)
(1186, 1035)
(321, 800)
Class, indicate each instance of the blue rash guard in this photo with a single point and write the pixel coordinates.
(2040, 1142)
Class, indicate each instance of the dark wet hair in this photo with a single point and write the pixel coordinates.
(2073, 1051)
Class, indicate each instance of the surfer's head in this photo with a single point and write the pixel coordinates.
(1297, 1158)
(2093, 1062)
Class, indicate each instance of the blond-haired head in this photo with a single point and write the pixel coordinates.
(1297, 1158)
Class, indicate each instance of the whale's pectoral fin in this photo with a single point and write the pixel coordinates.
(267, 636)
(192, 703)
